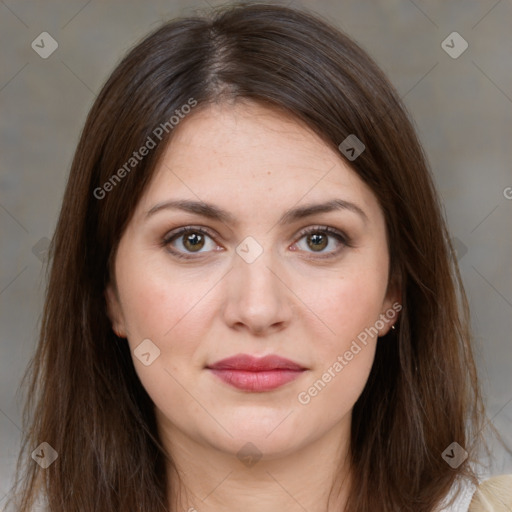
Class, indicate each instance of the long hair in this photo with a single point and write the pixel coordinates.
(84, 398)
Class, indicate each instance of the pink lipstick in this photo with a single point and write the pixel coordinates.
(253, 374)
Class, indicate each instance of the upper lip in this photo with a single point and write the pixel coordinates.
(245, 362)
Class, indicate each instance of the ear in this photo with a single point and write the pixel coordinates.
(114, 310)
(391, 306)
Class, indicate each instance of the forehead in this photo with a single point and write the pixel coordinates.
(252, 155)
(231, 133)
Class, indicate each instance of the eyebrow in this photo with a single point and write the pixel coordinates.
(215, 213)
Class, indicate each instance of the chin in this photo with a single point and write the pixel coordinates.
(255, 440)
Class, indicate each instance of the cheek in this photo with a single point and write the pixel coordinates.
(155, 303)
(332, 392)
(348, 308)
(163, 309)
(345, 306)
(344, 356)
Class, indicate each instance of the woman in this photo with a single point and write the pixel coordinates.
(253, 300)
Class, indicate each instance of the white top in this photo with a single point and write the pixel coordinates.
(464, 490)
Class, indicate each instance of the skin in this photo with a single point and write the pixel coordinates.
(255, 163)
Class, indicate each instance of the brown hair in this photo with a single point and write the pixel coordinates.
(85, 398)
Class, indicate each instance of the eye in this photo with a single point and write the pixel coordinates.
(318, 238)
(191, 239)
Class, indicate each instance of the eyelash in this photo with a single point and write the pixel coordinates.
(339, 235)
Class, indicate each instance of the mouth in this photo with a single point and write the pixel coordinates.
(253, 374)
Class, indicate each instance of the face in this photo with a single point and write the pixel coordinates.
(309, 286)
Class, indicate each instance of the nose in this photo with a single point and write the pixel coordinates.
(257, 296)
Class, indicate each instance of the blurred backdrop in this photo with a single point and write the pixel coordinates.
(55, 56)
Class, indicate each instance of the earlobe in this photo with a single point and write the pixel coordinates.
(392, 307)
(114, 311)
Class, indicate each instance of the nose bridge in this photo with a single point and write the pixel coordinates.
(252, 268)
(256, 295)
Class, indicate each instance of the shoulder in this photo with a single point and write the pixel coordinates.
(459, 497)
(493, 494)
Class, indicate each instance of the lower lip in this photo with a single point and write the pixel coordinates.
(257, 381)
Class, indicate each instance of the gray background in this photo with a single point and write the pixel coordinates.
(462, 109)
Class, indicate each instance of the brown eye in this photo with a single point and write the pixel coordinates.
(317, 241)
(187, 241)
(319, 238)
(193, 241)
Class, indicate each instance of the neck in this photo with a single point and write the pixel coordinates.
(204, 479)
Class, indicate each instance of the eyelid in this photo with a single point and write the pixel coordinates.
(326, 229)
(341, 236)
